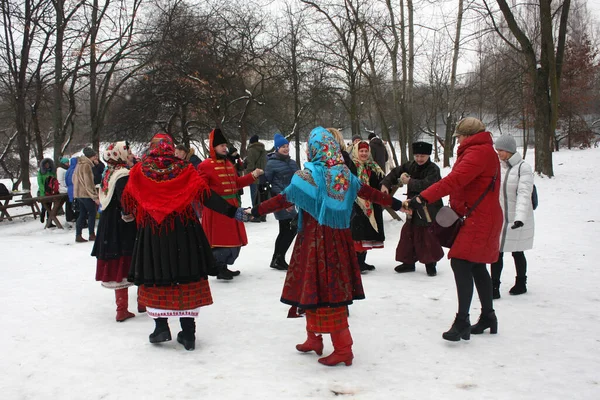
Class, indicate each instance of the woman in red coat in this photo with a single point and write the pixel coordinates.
(324, 275)
(477, 244)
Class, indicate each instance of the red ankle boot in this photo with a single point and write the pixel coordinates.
(342, 344)
(313, 343)
(122, 300)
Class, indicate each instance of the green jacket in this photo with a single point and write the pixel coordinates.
(43, 174)
(256, 157)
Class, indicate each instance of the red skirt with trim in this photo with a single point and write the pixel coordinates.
(176, 297)
(114, 270)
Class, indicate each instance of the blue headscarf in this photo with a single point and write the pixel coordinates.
(326, 188)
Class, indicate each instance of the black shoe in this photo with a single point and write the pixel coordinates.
(233, 273)
(161, 332)
(520, 286)
(361, 261)
(461, 329)
(368, 267)
(486, 320)
(263, 218)
(187, 337)
(223, 272)
(405, 268)
(431, 270)
(277, 262)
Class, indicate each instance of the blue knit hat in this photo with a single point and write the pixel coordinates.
(279, 141)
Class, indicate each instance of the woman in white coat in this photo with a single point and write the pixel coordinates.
(516, 186)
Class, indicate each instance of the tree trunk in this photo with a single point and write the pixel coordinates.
(409, 101)
(58, 81)
(93, 79)
(449, 140)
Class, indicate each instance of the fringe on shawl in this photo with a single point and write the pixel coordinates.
(327, 211)
(143, 218)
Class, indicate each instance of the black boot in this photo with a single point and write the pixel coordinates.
(431, 270)
(278, 262)
(361, 261)
(487, 319)
(224, 273)
(405, 268)
(495, 289)
(161, 332)
(369, 267)
(233, 273)
(520, 286)
(187, 337)
(461, 329)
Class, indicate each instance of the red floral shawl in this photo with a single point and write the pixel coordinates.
(162, 186)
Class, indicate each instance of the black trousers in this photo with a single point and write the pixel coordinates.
(287, 233)
(520, 265)
(465, 273)
(87, 211)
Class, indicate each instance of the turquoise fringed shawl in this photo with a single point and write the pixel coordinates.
(326, 188)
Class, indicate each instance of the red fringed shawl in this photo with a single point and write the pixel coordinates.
(162, 186)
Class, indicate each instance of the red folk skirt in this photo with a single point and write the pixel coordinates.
(176, 297)
(324, 270)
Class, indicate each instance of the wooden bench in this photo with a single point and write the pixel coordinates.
(52, 204)
(10, 201)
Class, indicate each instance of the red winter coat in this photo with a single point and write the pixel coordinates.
(222, 177)
(476, 164)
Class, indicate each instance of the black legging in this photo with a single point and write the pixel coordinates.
(287, 233)
(465, 273)
(520, 265)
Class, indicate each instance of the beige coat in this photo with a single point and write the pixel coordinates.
(83, 180)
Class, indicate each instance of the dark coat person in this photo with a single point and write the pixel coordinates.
(366, 223)
(256, 158)
(279, 172)
(378, 150)
(417, 239)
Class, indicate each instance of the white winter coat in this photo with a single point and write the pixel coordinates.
(61, 177)
(516, 185)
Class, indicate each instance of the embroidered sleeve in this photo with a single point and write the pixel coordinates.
(276, 203)
(368, 193)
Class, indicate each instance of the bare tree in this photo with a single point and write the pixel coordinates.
(544, 70)
(29, 22)
(449, 142)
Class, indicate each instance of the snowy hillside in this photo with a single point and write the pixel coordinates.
(59, 339)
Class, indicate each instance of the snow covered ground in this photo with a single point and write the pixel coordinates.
(59, 339)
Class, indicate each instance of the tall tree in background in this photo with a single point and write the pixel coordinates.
(450, 121)
(24, 45)
(544, 68)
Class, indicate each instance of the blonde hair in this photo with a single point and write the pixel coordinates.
(338, 137)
